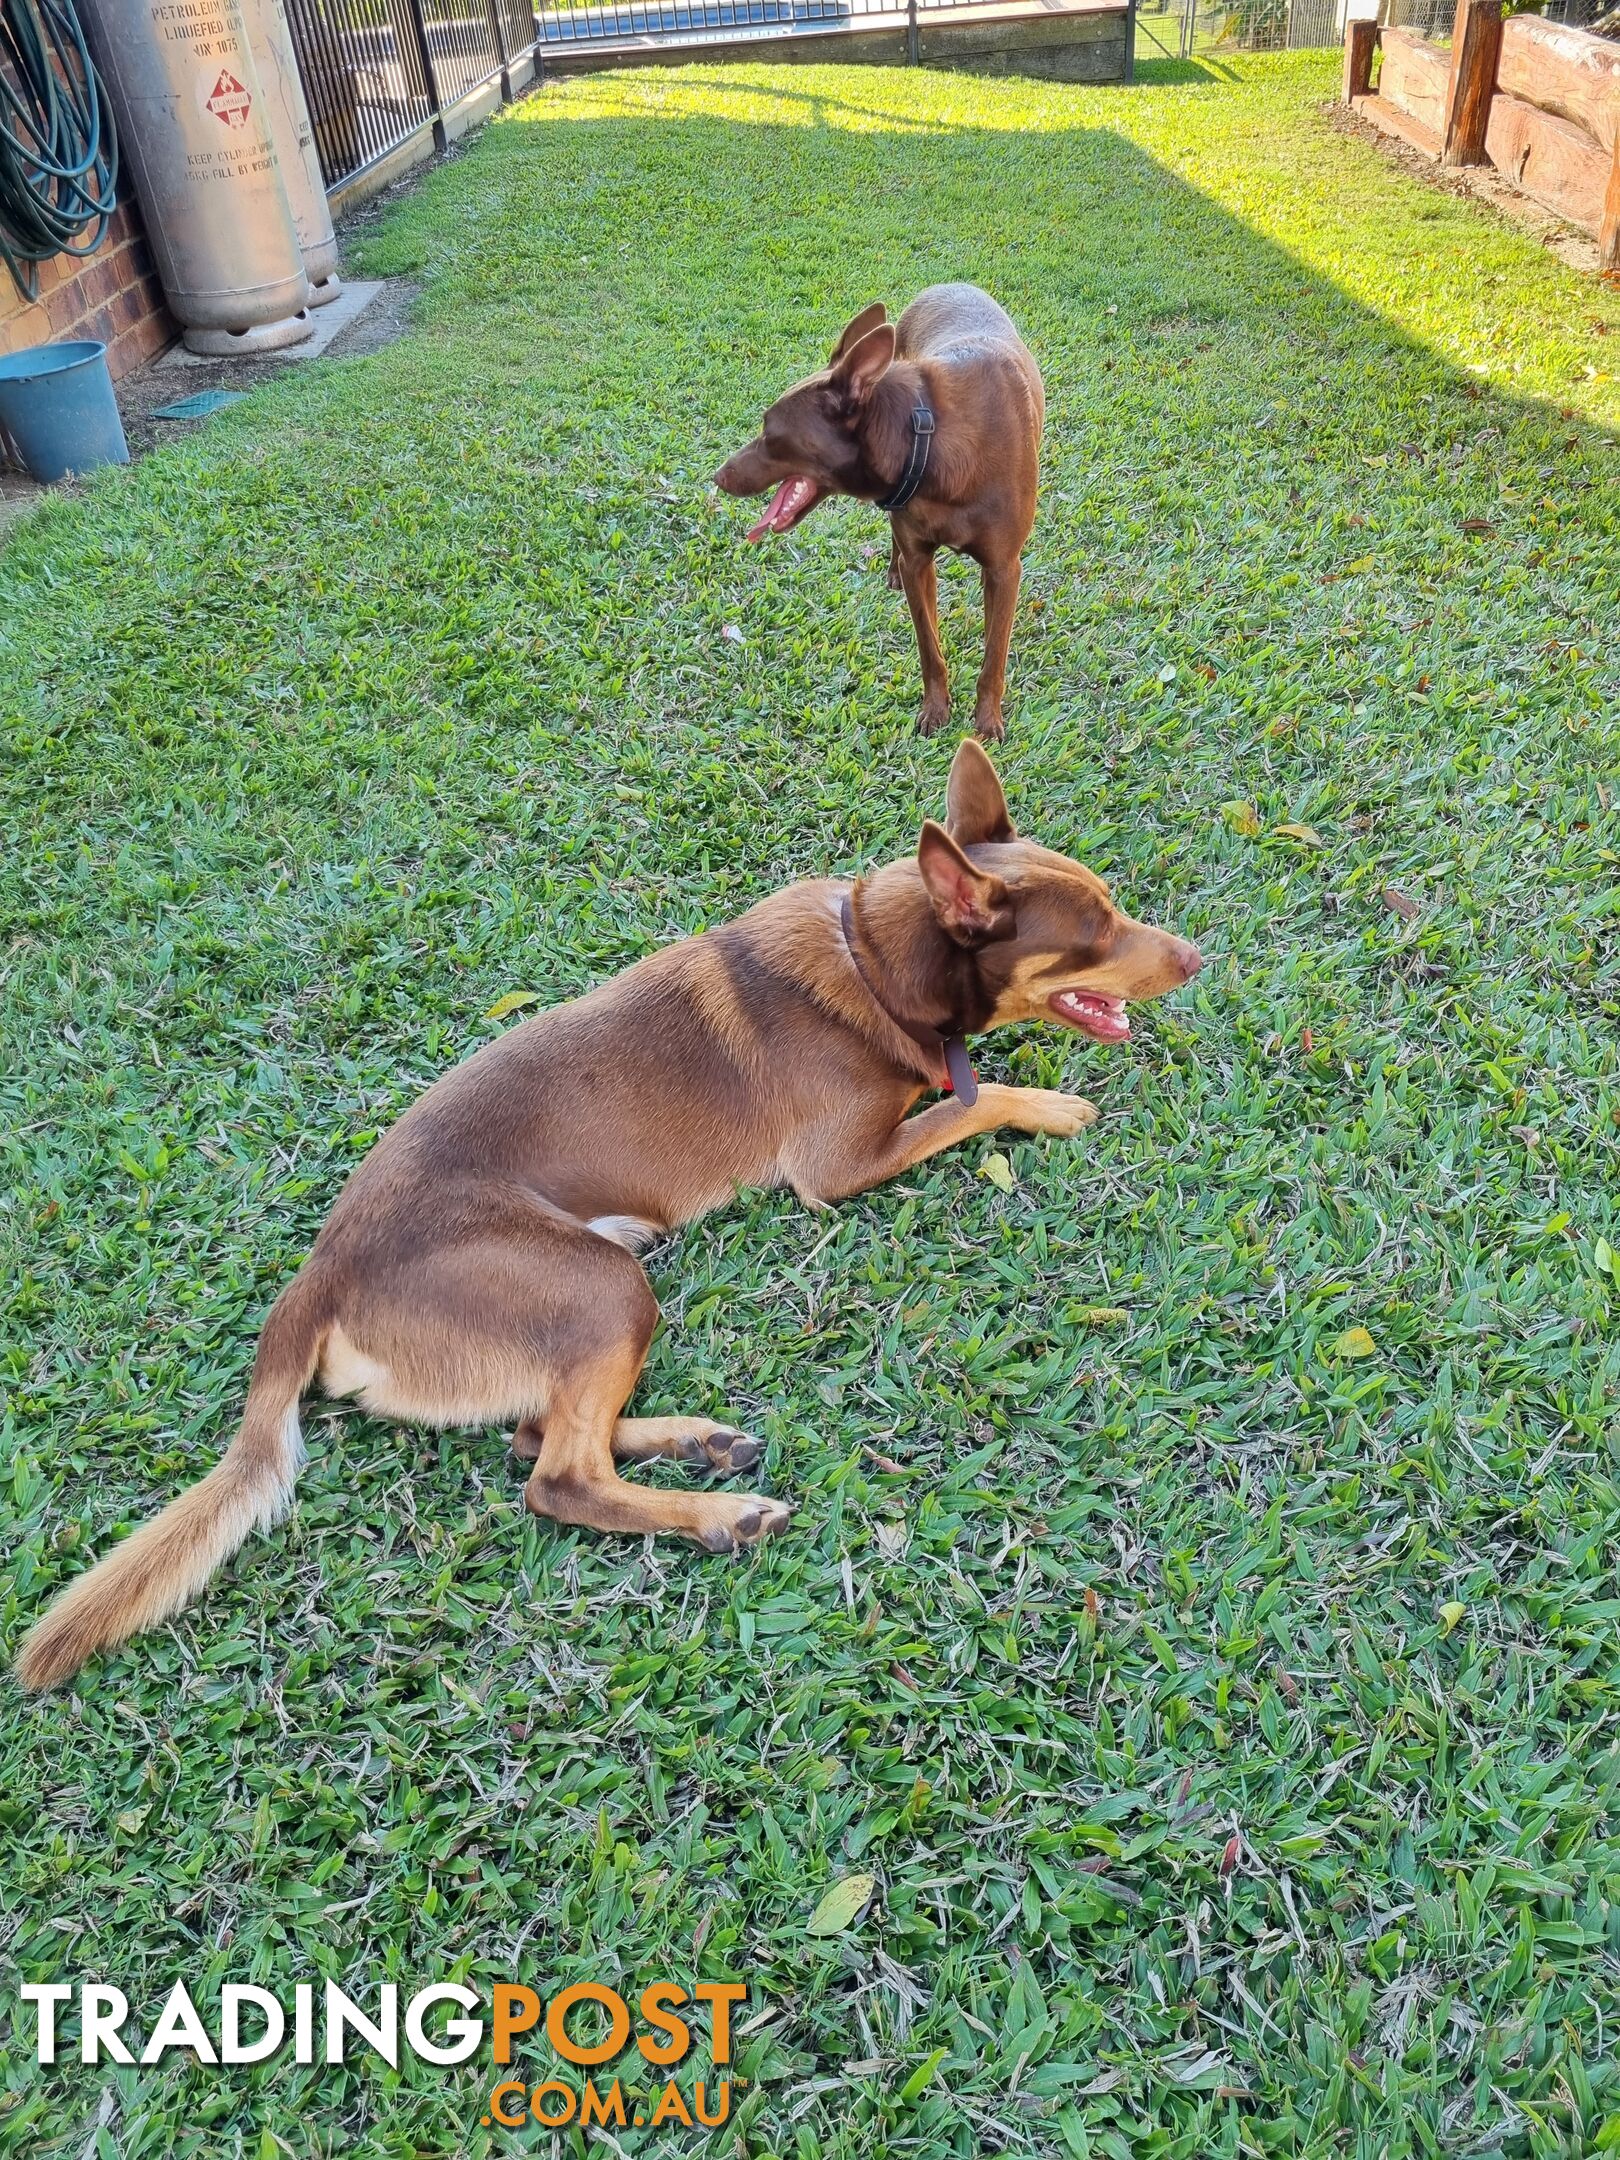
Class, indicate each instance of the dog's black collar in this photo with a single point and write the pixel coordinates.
(951, 1050)
(922, 441)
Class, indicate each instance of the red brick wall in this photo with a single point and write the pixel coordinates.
(111, 294)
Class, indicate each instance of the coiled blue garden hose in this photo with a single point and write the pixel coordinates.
(58, 145)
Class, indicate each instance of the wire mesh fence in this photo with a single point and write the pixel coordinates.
(1181, 29)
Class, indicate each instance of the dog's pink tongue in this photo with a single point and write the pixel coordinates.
(778, 504)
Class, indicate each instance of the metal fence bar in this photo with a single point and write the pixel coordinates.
(425, 62)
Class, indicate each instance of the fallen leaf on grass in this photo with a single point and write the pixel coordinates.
(999, 1171)
(1241, 818)
(842, 1906)
(1306, 835)
(1355, 1342)
(1450, 1613)
(1401, 904)
(514, 1001)
(1478, 525)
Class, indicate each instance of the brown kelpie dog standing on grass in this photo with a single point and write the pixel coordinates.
(936, 419)
(480, 1266)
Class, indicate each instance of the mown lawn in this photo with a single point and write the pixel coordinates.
(1224, 1700)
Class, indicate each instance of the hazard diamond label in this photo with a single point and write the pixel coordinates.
(229, 100)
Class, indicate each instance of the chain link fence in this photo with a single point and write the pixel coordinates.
(1182, 29)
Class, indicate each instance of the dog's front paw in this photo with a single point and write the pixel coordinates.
(988, 723)
(934, 715)
(1045, 1110)
(729, 1524)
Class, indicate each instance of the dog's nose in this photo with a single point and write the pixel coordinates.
(1191, 961)
(722, 479)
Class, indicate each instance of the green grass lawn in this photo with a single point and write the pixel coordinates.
(1224, 1700)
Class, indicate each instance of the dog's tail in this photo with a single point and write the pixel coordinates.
(167, 1561)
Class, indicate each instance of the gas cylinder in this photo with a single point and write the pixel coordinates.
(194, 135)
(294, 138)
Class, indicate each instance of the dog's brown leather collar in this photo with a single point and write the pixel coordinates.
(948, 1051)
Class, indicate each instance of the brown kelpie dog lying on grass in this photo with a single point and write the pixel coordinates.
(480, 1264)
(936, 419)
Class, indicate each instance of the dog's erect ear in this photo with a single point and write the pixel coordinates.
(862, 366)
(975, 808)
(857, 327)
(972, 906)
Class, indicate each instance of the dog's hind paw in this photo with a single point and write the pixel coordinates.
(725, 1450)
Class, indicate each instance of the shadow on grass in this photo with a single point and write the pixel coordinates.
(1166, 65)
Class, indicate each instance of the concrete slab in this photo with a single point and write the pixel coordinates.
(330, 322)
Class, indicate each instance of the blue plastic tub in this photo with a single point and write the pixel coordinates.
(57, 405)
